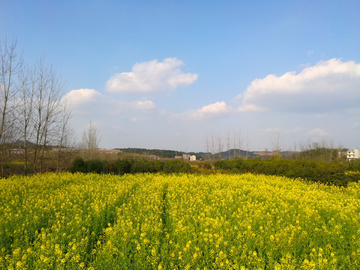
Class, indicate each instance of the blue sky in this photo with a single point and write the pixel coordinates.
(175, 74)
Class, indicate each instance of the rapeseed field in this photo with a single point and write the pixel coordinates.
(157, 221)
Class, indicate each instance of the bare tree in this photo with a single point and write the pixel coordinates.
(276, 146)
(10, 66)
(207, 156)
(240, 141)
(234, 141)
(220, 146)
(247, 145)
(25, 113)
(228, 142)
(91, 139)
(47, 110)
(31, 108)
(213, 145)
(65, 140)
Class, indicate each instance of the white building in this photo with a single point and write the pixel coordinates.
(189, 157)
(353, 154)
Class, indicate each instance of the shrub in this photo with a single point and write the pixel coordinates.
(321, 172)
(78, 165)
(207, 166)
(94, 166)
(176, 166)
(122, 166)
(224, 165)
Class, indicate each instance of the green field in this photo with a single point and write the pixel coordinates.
(153, 221)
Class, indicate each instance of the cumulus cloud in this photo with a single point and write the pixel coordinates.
(84, 95)
(215, 108)
(209, 111)
(327, 86)
(90, 101)
(151, 76)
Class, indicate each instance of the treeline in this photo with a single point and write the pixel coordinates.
(126, 166)
(335, 173)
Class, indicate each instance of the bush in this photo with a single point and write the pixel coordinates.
(176, 166)
(321, 172)
(94, 166)
(78, 165)
(141, 166)
(122, 166)
(207, 166)
(224, 165)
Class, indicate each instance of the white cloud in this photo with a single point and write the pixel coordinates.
(250, 108)
(83, 96)
(328, 86)
(317, 132)
(151, 76)
(92, 102)
(209, 111)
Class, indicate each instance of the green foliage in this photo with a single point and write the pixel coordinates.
(126, 166)
(94, 166)
(320, 172)
(207, 166)
(122, 166)
(143, 166)
(176, 166)
(317, 154)
(353, 165)
(78, 165)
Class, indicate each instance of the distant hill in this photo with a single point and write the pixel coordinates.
(20, 143)
(162, 153)
(158, 152)
(233, 152)
(316, 154)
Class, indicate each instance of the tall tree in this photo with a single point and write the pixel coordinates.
(228, 143)
(25, 113)
(220, 146)
(10, 65)
(90, 140)
(47, 110)
(240, 141)
(64, 140)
